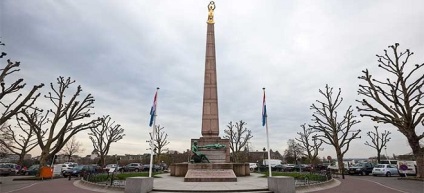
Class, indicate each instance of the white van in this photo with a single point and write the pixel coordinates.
(410, 167)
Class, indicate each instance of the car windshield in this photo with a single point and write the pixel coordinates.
(359, 164)
(379, 166)
(78, 167)
(33, 167)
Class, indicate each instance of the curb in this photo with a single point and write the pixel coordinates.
(97, 187)
(319, 186)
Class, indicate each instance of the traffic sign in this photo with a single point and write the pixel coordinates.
(403, 167)
(328, 157)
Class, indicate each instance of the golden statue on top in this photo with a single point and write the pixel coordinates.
(211, 7)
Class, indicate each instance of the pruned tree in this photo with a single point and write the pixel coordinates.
(239, 137)
(5, 140)
(104, 135)
(313, 147)
(72, 147)
(294, 152)
(332, 129)
(398, 100)
(159, 141)
(11, 99)
(378, 141)
(21, 140)
(68, 118)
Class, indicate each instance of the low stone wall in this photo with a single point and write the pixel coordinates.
(98, 186)
(318, 186)
(179, 170)
(281, 184)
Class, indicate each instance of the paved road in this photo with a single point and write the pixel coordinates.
(59, 185)
(365, 184)
(351, 184)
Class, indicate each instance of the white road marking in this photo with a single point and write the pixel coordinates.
(22, 188)
(383, 185)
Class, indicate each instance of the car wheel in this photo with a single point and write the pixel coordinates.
(388, 174)
(374, 174)
(136, 170)
(366, 173)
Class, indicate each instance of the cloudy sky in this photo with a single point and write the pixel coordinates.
(120, 51)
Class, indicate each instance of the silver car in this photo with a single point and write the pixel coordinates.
(5, 169)
(385, 169)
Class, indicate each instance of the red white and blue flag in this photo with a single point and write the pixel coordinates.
(264, 111)
(153, 109)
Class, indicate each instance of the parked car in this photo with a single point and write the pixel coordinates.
(5, 169)
(363, 168)
(253, 166)
(385, 169)
(278, 168)
(67, 166)
(132, 167)
(288, 167)
(156, 168)
(14, 168)
(110, 166)
(32, 170)
(79, 170)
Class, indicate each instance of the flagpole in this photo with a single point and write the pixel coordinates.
(267, 142)
(153, 135)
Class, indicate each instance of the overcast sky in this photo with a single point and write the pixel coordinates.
(120, 51)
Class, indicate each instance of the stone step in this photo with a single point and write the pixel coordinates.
(212, 191)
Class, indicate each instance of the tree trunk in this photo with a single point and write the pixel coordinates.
(340, 162)
(378, 156)
(419, 156)
(21, 159)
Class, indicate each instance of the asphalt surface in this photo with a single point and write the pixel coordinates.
(351, 184)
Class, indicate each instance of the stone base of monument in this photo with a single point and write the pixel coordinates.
(214, 155)
(210, 172)
(181, 169)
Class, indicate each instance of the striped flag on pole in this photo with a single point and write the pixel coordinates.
(153, 109)
(264, 111)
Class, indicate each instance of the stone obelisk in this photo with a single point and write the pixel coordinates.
(216, 167)
(210, 118)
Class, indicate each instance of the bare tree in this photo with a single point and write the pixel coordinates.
(329, 128)
(294, 152)
(18, 101)
(104, 135)
(68, 118)
(239, 138)
(160, 140)
(378, 141)
(21, 142)
(313, 147)
(5, 140)
(398, 99)
(72, 147)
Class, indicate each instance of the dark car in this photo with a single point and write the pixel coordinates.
(32, 170)
(132, 167)
(79, 170)
(146, 167)
(278, 168)
(363, 168)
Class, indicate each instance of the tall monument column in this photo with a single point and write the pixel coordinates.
(210, 117)
(210, 120)
(210, 155)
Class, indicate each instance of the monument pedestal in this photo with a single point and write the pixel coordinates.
(214, 155)
(210, 172)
